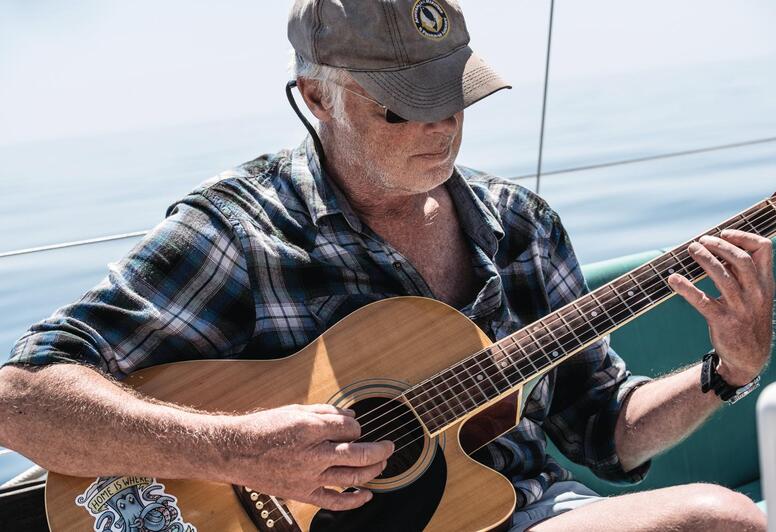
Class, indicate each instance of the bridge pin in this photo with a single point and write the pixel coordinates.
(264, 514)
(270, 523)
(254, 496)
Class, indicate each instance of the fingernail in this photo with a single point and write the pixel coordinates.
(385, 464)
(705, 238)
(368, 495)
(695, 247)
(350, 412)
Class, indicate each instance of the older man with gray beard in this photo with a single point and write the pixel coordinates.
(259, 261)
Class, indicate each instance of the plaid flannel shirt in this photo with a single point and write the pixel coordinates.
(260, 260)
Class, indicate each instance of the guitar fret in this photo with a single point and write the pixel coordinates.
(663, 288)
(559, 350)
(636, 298)
(600, 306)
(616, 308)
(503, 364)
(537, 350)
(584, 317)
(472, 383)
(424, 403)
(570, 329)
(464, 388)
(521, 356)
(749, 223)
(659, 275)
(448, 392)
(535, 344)
(589, 332)
(640, 288)
(680, 264)
(484, 371)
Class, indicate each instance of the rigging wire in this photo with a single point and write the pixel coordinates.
(72, 244)
(647, 158)
(544, 99)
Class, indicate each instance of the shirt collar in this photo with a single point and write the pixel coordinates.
(477, 220)
(323, 197)
(318, 192)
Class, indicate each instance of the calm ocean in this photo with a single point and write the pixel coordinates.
(71, 189)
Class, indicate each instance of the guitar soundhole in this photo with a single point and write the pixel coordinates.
(386, 419)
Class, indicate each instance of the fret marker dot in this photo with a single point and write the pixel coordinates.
(480, 377)
(670, 270)
(554, 354)
(594, 313)
(504, 364)
(630, 293)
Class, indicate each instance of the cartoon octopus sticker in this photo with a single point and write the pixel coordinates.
(132, 504)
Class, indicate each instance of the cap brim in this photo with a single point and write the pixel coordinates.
(434, 90)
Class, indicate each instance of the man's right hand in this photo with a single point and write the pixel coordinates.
(301, 452)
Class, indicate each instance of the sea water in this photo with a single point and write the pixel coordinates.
(63, 190)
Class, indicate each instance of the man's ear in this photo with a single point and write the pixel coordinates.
(310, 90)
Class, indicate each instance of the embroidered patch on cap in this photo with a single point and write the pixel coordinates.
(430, 19)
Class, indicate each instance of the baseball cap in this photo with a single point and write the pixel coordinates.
(413, 56)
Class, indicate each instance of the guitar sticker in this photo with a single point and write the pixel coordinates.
(132, 504)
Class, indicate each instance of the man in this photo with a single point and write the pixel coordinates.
(260, 260)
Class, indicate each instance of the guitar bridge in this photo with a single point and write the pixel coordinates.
(268, 513)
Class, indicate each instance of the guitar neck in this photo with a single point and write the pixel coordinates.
(483, 378)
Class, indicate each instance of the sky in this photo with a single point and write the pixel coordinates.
(95, 66)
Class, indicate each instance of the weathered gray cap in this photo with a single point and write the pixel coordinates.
(412, 56)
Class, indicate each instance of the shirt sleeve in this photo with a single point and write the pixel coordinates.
(181, 293)
(590, 387)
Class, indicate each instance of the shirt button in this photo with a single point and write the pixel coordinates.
(397, 265)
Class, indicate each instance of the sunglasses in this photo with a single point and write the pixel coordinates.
(390, 116)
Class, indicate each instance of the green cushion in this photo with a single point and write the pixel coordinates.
(671, 336)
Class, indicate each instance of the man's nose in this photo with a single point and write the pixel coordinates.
(447, 126)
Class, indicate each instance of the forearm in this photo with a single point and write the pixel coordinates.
(660, 414)
(71, 419)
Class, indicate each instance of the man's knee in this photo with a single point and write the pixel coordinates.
(714, 507)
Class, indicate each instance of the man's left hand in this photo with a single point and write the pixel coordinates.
(741, 319)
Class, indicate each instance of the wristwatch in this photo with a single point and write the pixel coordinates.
(710, 380)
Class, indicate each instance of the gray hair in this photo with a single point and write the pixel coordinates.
(331, 80)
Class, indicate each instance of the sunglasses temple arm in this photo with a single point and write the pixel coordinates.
(314, 134)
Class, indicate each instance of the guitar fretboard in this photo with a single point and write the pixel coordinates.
(497, 370)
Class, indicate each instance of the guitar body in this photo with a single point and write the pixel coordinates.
(367, 362)
(364, 360)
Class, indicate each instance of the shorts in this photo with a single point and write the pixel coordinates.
(559, 498)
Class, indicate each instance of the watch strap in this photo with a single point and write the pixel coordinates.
(711, 380)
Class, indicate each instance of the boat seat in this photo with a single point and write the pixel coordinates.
(673, 335)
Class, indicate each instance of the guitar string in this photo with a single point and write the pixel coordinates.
(668, 257)
(622, 304)
(441, 415)
(659, 281)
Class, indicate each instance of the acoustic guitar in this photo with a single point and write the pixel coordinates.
(416, 372)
